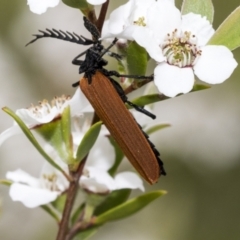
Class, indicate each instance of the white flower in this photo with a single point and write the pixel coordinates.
(96, 178)
(34, 192)
(124, 20)
(40, 6)
(178, 44)
(96, 2)
(101, 182)
(45, 112)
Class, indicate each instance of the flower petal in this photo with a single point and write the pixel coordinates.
(96, 2)
(119, 18)
(215, 64)
(97, 180)
(21, 176)
(50, 176)
(31, 119)
(140, 11)
(163, 18)
(102, 154)
(145, 38)
(129, 180)
(14, 130)
(198, 26)
(40, 6)
(79, 103)
(31, 197)
(171, 80)
(105, 31)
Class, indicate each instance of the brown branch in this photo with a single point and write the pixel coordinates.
(72, 191)
(92, 16)
(102, 16)
(131, 88)
(78, 226)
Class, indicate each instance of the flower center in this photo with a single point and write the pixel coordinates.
(44, 108)
(140, 22)
(50, 181)
(180, 49)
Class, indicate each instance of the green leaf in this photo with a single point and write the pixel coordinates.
(52, 133)
(86, 234)
(59, 203)
(33, 140)
(58, 134)
(51, 212)
(66, 132)
(80, 4)
(118, 156)
(137, 59)
(228, 33)
(202, 7)
(153, 98)
(114, 199)
(157, 128)
(6, 182)
(128, 208)
(77, 213)
(88, 141)
(148, 99)
(199, 87)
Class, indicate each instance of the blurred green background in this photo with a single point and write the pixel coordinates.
(201, 150)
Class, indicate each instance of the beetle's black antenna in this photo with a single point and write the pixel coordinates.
(66, 36)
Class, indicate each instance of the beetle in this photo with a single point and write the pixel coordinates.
(108, 99)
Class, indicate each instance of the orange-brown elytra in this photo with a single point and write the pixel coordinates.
(121, 124)
(107, 98)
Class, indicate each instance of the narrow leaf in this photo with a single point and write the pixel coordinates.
(52, 133)
(51, 212)
(33, 140)
(137, 59)
(77, 3)
(59, 203)
(157, 128)
(66, 132)
(202, 7)
(5, 182)
(199, 87)
(88, 141)
(86, 234)
(228, 33)
(77, 213)
(128, 208)
(114, 199)
(153, 98)
(148, 99)
(118, 156)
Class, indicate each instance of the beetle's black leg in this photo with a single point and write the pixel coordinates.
(141, 109)
(76, 84)
(115, 73)
(124, 98)
(107, 49)
(75, 61)
(114, 55)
